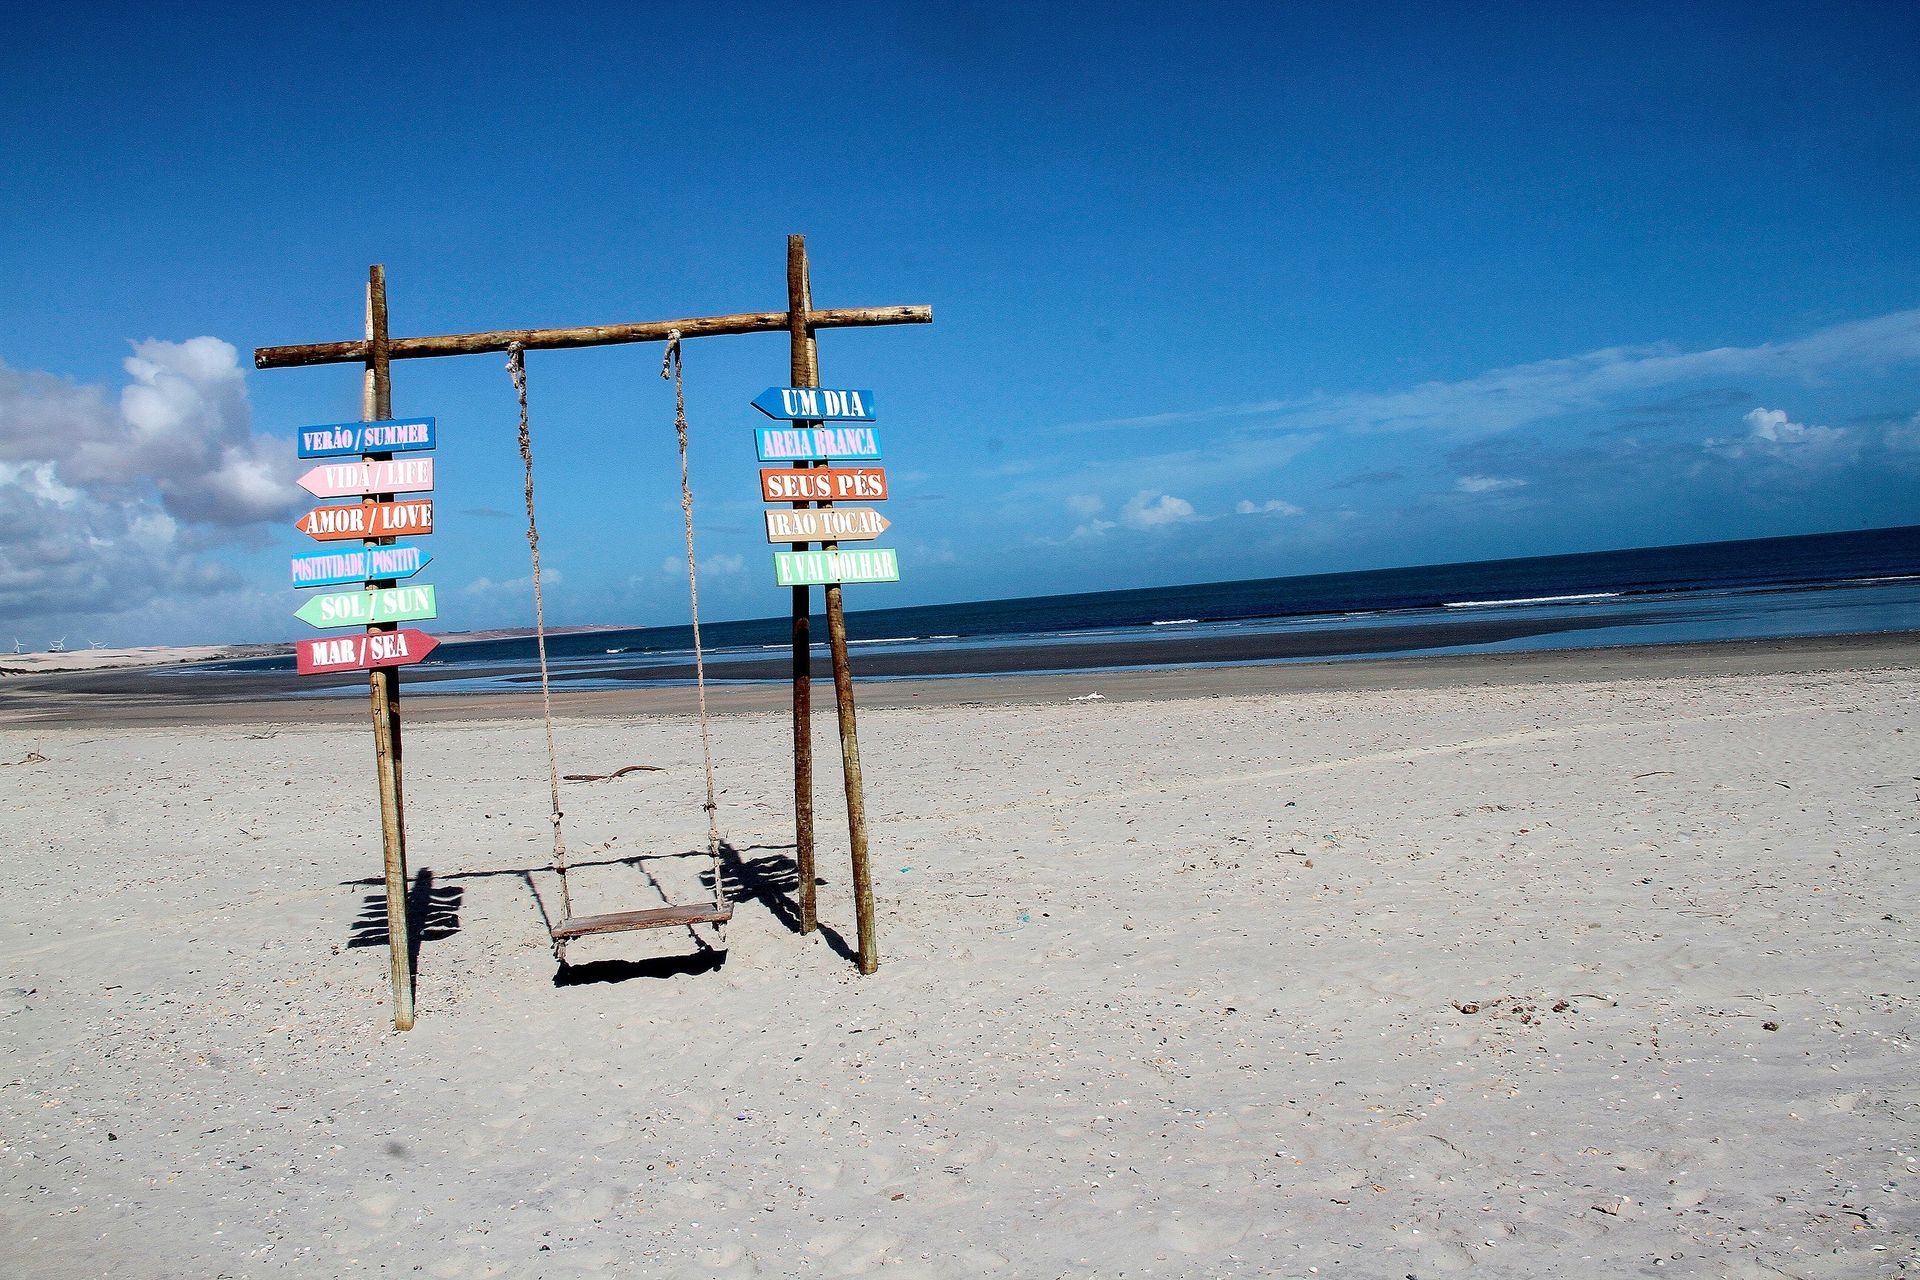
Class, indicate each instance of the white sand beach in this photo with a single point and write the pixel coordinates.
(1597, 978)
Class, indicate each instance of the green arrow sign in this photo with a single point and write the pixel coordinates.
(364, 608)
(813, 568)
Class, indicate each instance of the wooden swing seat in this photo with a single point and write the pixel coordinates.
(649, 918)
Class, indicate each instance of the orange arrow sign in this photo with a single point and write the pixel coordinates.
(822, 484)
(825, 524)
(367, 520)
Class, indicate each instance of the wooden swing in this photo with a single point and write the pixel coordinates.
(720, 910)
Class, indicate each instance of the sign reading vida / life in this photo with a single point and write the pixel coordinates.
(362, 564)
(367, 520)
(365, 608)
(816, 444)
(339, 479)
(825, 524)
(823, 484)
(389, 436)
(815, 404)
(363, 652)
(817, 568)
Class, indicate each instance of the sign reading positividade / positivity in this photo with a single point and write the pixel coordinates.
(825, 524)
(815, 404)
(362, 564)
(368, 608)
(364, 652)
(817, 568)
(341, 479)
(367, 520)
(396, 435)
(816, 444)
(823, 484)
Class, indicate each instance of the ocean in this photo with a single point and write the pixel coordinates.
(1813, 585)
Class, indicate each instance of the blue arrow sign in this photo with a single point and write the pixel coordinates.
(359, 564)
(815, 404)
(393, 435)
(816, 444)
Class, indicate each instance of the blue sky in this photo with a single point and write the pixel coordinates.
(1235, 292)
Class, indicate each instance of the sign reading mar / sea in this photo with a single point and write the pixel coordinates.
(825, 524)
(367, 520)
(362, 564)
(816, 444)
(363, 652)
(815, 404)
(365, 608)
(399, 475)
(823, 484)
(816, 568)
(394, 435)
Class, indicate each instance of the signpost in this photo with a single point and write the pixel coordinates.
(385, 436)
(363, 653)
(361, 564)
(365, 608)
(825, 524)
(823, 484)
(339, 479)
(815, 404)
(816, 444)
(367, 520)
(818, 568)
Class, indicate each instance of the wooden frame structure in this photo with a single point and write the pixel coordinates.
(378, 349)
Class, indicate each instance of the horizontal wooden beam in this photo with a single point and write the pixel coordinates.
(467, 344)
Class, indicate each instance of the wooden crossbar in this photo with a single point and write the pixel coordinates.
(466, 344)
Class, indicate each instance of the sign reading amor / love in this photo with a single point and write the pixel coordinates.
(394, 435)
(363, 652)
(816, 568)
(825, 524)
(823, 484)
(366, 608)
(368, 520)
(398, 475)
(816, 444)
(362, 564)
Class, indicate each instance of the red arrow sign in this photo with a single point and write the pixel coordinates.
(367, 520)
(823, 484)
(360, 653)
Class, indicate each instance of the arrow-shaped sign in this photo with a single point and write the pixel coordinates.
(815, 404)
(367, 520)
(390, 435)
(363, 652)
(361, 564)
(399, 475)
(364, 608)
(816, 444)
(823, 484)
(815, 568)
(825, 524)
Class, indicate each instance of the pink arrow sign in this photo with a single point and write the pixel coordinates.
(361, 653)
(340, 479)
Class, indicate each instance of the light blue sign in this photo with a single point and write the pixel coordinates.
(817, 444)
(360, 564)
(394, 435)
(815, 404)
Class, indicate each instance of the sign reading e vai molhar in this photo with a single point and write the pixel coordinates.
(817, 568)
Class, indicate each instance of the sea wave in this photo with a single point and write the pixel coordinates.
(1176, 622)
(1496, 604)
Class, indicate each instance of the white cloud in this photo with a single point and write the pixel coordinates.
(1271, 507)
(1771, 434)
(1085, 504)
(1487, 484)
(488, 588)
(1904, 437)
(1092, 529)
(1148, 510)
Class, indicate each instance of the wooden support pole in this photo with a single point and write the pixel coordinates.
(806, 361)
(467, 344)
(384, 686)
(800, 341)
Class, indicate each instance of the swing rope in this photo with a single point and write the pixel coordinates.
(670, 368)
(517, 366)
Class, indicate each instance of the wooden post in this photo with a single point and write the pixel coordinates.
(800, 339)
(806, 373)
(383, 683)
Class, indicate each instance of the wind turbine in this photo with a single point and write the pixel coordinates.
(96, 644)
(58, 646)
(17, 646)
